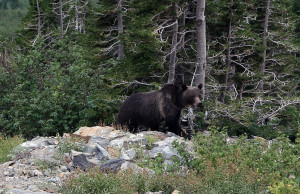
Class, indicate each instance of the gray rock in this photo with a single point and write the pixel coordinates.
(170, 134)
(159, 192)
(8, 173)
(128, 154)
(20, 191)
(31, 173)
(37, 142)
(63, 168)
(37, 173)
(136, 141)
(167, 152)
(101, 154)
(81, 162)
(167, 142)
(103, 142)
(89, 149)
(44, 154)
(113, 165)
(118, 143)
(155, 151)
(47, 173)
(231, 140)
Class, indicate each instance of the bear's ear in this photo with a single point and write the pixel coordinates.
(183, 87)
(200, 86)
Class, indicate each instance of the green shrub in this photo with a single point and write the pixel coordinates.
(7, 144)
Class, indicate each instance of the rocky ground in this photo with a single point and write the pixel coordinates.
(42, 164)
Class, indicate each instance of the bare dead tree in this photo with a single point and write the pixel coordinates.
(265, 37)
(39, 26)
(201, 46)
(228, 57)
(61, 18)
(120, 30)
(172, 66)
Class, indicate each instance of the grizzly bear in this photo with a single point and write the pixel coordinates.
(149, 109)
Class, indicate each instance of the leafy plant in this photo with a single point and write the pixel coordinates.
(7, 145)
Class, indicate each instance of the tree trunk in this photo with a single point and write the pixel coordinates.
(120, 30)
(39, 18)
(228, 57)
(199, 77)
(172, 66)
(61, 18)
(76, 16)
(265, 36)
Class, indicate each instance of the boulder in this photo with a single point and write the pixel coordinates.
(101, 154)
(106, 132)
(80, 160)
(113, 165)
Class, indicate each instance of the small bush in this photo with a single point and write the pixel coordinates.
(7, 144)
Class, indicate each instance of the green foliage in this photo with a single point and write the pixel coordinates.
(11, 13)
(267, 162)
(250, 117)
(65, 145)
(53, 90)
(284, 186)
(45, 164)
(7, 144)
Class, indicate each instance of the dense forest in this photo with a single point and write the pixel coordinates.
(71, 63)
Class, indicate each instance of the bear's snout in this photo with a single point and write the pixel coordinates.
(197, 103)
(200, 106)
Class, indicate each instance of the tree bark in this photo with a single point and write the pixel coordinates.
(76, 16)
(228, 57)
(265, 36)
(39, 18)
(172, 66)
(120, 30)
(199, 77)
(61, 18)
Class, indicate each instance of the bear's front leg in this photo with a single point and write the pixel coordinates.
(173, 126)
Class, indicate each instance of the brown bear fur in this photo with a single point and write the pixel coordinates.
(148, 109)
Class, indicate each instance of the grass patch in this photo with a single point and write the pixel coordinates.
(7, 144)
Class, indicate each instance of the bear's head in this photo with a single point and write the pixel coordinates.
(191, 96)
(183, 95)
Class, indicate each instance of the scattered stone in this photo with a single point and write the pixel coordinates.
(47, 173)
(128, 154)
(37, 173)
(167, 152)
(101, 154)
(94, 131)
(113, 165)
(81, 162)
(159, 192)
(39, 142)
(118, 143)
(44, 154)
(176, 192)
(103, 142)
(231, 140)
(63, 168)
